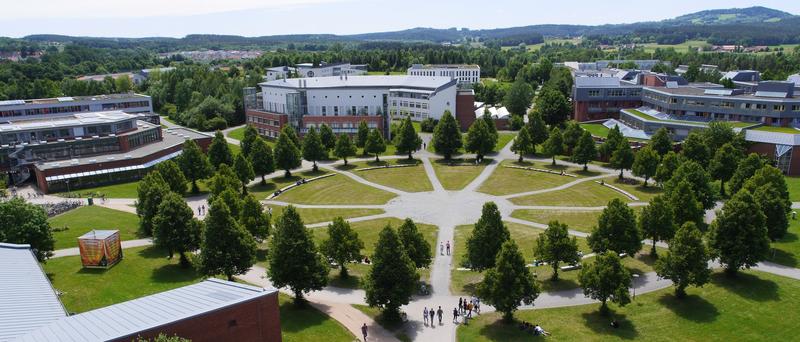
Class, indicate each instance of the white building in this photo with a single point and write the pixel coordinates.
(330, 69)
(398, 96)
(13, 110)
(466, 74)
(276, 73)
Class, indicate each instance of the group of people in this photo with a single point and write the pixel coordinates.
(465, 309)
(534, 329)
(442, 248)
(201, 210)
(429, 315)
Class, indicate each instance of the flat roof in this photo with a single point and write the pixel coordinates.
(125, 320)
(27, 300)
(697, 91)
(376, 81)
(58, 100)
(70, 120)
(445, 66)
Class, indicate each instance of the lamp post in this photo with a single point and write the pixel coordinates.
(69, 194)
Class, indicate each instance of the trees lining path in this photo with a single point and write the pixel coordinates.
(445, 209)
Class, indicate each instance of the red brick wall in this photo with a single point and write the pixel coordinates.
(282, 119)
(465, 109)
(610, 109)
(768, 150)
(652, 81)
(254, 320)
(336, 120)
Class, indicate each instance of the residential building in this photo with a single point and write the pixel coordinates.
(12, 110)
(330, 69)
(344, 101)
(466, 74)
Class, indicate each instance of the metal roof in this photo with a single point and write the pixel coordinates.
(127, 319)
(27, 300)
(382, 81)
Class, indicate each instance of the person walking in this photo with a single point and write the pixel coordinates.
(469, 310)
(441, 248)
(448, 247)
(432, 313)
(440, 312)
(477, 305)
(425, 315)
(460, 302)
(364, 331)
(455, 315)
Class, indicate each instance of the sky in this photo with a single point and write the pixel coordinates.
(177, 18)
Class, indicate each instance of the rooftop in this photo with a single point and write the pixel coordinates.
(125, 320)
(27, 300)
(655, 116)
(79, 119)
(445, 66)
(390, 81)
(696, 90)
(97, 234)
(58, 100)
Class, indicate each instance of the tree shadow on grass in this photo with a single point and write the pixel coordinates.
(557, 167)
(507, 331)
(174, 273)
(588, 173)
(561, 284)
(602, 325)
(691, 307)
(748, 286)
(347, 167)
(783, 257)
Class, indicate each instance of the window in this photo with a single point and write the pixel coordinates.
(779, 108)
(594, 93)
(335, 110)
(353, 110)
(324, 110)
(795, 108)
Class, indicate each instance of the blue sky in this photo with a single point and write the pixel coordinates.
(176, 18)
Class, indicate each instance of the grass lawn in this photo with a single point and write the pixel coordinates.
(313, 215)
(786, 251)
(368, 232)
(86, 218)
(793, 183)
(411, 179)
(237, 134)
(394, 327)
(458, 176)
(125, 190)
(503, 139)
(143, 271)
(645, 194)
(506, 180)
(596, 129)
(300, 324)
(262, 191)
(586, 194)
(583, 220)
(235, 149)
(774, 129)
(338, 189)
(752, 307)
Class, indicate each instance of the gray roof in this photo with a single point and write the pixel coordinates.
(27, 300)
(71, 120)
(126, 320)
(382, 81)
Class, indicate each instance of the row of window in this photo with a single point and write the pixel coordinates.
(615, 92)
(123, 105)
(723, 104)
(262, 121)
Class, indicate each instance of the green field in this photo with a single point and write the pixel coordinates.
(503, 139)
(261, 191)
(237, 134)
(581, 220)
(596, 129)
(458, 176)
(586, 194)
(636, 188)
(368, 232)
(536, 47)
(753, 307)
(315, 215)
(775, 129)
(682, 47)
(411, 179)
(338, 189)
(786, 250)
(301, 324)
(507, 180)
(125, 190)
(87, 218)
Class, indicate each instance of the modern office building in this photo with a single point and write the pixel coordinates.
(279, 72)
(11, 110)
(330, 69)
(466, 74)
(343, 102)
(597, 98)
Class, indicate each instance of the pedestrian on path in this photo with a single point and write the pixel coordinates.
(425, 315)
(364, 331)
(432, 313)
(441, 313)
(441, 248)
(448, 247)
(460, 302)
(455, 315)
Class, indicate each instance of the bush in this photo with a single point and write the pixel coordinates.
(216, 123)
(516, 122)
(428, 125)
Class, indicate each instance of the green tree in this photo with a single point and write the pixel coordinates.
(487, 237)
(173, 175)
(250, 136)
(286, 153)
(491, 127)
(695, 147)
(537, 129)
(717, 134)
(327, 137)
(555, 246)
(685, 206)
(362, 134)
(253, 218)
(699, 180)
(661, 141)
(645, 163)
(622, 158)
(606, 279)
(572, 134)
(244, 171)
(226, 247)
(509, 282)
(479, 140)
(744, 170)
(686, 263)
(194, 163)
(375, 144)
(224, 179)
(770, 191)
(553, 106)
(151, 191)
(616, 230)
(175, 228)
(261, 159)
(414, 243)
(611, 143)
(290, 132)
(522, 144)
(669, 162)
(313, 150)
(723, 165)
(554, 144)
(293, 257)
(25, 223)
(232, 199)
(446, 136)
(656, 221)
(219, 152)
(407, 140)
(518, 97)
(393, 278)
(738, 236)
(342, 245)
(344, 147)
(585, 150)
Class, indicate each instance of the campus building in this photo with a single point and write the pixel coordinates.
(466, 74)
(329, 69)
(11, 110)
(597, 98)
(343, 102)
(211, 310)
